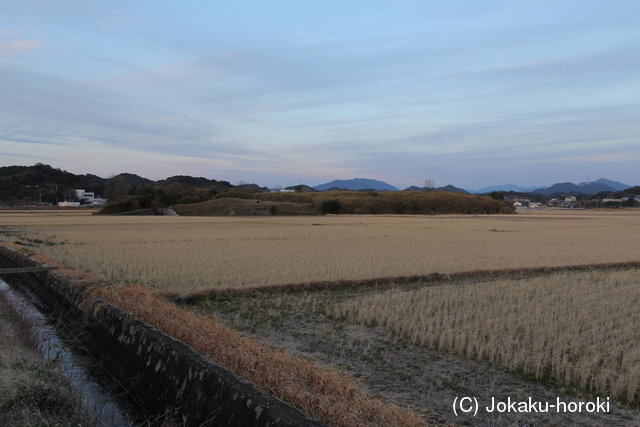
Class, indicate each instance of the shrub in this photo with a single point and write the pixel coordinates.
(124, 204)
(330, 206)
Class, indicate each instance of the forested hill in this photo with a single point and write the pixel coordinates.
(40, 182)
(43, 182)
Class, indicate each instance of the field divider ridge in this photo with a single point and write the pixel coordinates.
(335, 285)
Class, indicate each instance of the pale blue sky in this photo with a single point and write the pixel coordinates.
(461, 92)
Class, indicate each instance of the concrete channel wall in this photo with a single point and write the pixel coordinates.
(162, 374)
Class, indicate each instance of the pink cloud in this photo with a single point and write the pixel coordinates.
(18, 47)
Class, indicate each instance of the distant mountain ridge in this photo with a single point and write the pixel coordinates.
(569, 187)
(505, 187)
(593, 187)
(357, 184)
(619, 186)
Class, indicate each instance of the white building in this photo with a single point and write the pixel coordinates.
(85, 196)
(89, 198)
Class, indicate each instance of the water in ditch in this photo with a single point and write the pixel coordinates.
(103, 406)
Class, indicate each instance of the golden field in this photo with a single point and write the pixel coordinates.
(572, 329)
(188, 254)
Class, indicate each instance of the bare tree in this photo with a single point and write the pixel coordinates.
(115, 187)
(429, 184)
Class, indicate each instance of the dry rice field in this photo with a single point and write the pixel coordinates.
(541, 334)
(187, 254)
(575, 328)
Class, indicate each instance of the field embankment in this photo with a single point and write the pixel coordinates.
(244, 207)
(346, 202)
(395, 202)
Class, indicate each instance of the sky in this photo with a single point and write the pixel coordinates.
(275, 92)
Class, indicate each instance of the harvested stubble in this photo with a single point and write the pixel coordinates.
(324, 393)
(189, 254)
(578, 329)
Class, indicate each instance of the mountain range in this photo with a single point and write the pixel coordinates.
(356, 184)
(593, 187)
(613, 184)
(568, 187)
(48, 184)
(360, 184)
(505, 187)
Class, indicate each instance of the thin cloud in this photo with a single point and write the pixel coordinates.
(26, 156)
(18, 47)
(404, 91)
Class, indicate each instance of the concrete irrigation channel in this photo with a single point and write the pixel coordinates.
(162, 375)
(101, 397)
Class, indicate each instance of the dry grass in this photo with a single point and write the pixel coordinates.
(186, 255)
(578, 329)
(32, 390)
(322, 392)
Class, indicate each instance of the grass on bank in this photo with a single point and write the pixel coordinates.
(322, 392)
(32, 391)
